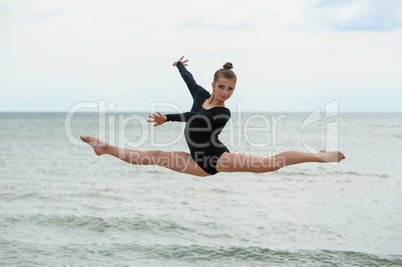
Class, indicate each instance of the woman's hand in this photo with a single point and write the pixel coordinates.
(159, 119)
(180, 60)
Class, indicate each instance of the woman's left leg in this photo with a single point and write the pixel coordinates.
(175, 160)
(236, 162)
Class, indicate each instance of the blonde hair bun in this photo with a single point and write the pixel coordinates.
(228, 66)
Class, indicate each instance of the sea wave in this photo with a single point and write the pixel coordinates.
(99, 224)
(132, 254)
(358, 174)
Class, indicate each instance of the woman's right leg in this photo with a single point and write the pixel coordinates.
(237, 162)
(175, 160)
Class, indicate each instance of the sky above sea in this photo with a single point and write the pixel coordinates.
(288, 55)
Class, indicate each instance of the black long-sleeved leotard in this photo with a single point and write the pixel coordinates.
(203, 126)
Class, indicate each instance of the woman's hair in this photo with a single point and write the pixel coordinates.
(226, 73)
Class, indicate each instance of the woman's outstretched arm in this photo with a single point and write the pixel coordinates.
(160, 119)
(186, 75)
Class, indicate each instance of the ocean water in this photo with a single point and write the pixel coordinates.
(61, 205)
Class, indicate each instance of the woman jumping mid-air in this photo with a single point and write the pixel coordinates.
(204, 123)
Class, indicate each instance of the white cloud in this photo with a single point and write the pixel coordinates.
(359, 15)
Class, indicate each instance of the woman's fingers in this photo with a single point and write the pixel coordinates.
(155, 124)
(175, 63)
(182, 61)
(153, 116)
(157, 119)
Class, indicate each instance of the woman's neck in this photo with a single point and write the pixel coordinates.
(212, 101)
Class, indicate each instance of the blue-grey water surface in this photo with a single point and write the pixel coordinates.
(61, 205)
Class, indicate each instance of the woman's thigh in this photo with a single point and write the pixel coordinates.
(237, 162)
(181, 162)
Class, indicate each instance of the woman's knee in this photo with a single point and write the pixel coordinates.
(273, 164)
(159, 157)
(156, 153)
(273, 168)
(146, 157)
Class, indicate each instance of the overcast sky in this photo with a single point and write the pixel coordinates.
(288, 55)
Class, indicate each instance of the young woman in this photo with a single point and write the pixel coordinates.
(204, 123)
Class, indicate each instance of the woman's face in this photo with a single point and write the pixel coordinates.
(223, 88)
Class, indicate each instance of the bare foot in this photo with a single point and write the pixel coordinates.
(330, 156)
(99, 146)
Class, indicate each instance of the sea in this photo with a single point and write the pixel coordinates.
(61, 205)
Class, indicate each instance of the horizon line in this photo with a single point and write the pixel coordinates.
(126, 111)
